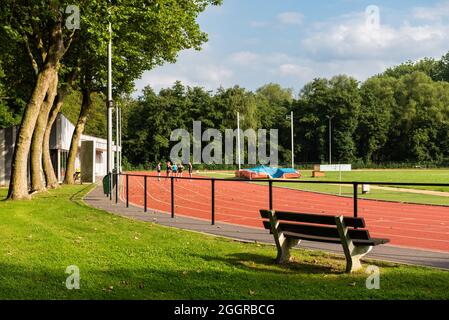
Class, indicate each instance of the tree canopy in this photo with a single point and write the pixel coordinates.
(401, 115)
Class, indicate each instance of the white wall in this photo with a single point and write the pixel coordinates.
(60, 139)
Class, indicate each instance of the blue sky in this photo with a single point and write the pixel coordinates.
(291, 42)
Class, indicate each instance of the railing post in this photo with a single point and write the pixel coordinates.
(127, 191)
(145, 194)
(111, 185)
(116, 188)
(213, 201)
(270, 187)
(356, 205)
(172, 197)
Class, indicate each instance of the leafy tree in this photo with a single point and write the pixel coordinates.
(311, 108)
(155, 32)
(274, 103)
(144, 35)
(150, 123)
(39, 29)
(422, 109)
(429, 66)
(338, 98)
(378, 103)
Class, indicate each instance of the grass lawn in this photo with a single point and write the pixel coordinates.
(124, 259)
(406, 176)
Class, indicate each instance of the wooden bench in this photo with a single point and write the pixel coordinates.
(290, 228)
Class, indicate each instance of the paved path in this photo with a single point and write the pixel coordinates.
(415, 191)
(97, 199)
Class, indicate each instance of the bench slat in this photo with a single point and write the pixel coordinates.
(357, 243)
(319, 231)
(314, 218)
(311, 238)
(371, 242)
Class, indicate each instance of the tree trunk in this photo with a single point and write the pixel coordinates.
(37, 177)
(79, 130)
(18, 186)
(49, 172)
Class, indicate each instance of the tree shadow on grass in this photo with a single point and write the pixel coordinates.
(250, 261)
(20, 282)
(212, 281)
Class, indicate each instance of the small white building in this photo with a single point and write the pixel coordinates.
(91, 157)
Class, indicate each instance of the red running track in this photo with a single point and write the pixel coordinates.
(407, 225)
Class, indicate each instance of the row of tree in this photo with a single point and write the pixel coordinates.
(46, 67)
(401, 115)
(44, 56)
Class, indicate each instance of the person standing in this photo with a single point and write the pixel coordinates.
(180, 169)
(158, 169)
(169, 169)
(190, 170)
(175, 170)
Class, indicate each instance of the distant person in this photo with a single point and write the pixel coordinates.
(77, 174)
(180, 169)
(169, 169)
(175, 170)
(159, 169)
(190, 170)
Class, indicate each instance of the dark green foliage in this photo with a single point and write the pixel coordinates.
(153, 116)
(401, 116)
(96, 126)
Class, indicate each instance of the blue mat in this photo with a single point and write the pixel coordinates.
(275, 173)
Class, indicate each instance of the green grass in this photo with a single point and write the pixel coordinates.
(399, 175)
(124, 259)
(406, 176)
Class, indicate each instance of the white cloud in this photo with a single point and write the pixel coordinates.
(210, 76)
(259, 24)
(158, 80)
(215, 75)
(435, 13)
(193, 68)
(244, 57)
(294, 70)
(345, 44)
(353, 39)
(292, 18)
(248, 58)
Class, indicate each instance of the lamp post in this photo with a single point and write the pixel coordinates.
(238, 140)
(110, 107)
(330, 138)
(117, 139)
(292, 136)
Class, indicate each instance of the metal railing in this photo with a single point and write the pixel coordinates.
(271, 184)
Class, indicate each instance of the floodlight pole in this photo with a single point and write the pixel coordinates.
(110, 105)
(293, 143)
(120, 141)
(330, 138)
(117, 139)
(238, 139)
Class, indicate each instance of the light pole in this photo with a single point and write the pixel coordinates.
(117, 139)
(110, 106)
(238, 139)
(293, 143)
(330, 138)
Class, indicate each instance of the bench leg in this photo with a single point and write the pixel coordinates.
(353, 258)
(284, 246)
(353, 254)
(283, 243)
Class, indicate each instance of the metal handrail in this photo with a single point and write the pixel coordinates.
(270, 182)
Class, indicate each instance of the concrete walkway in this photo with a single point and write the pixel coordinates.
(97, 199)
